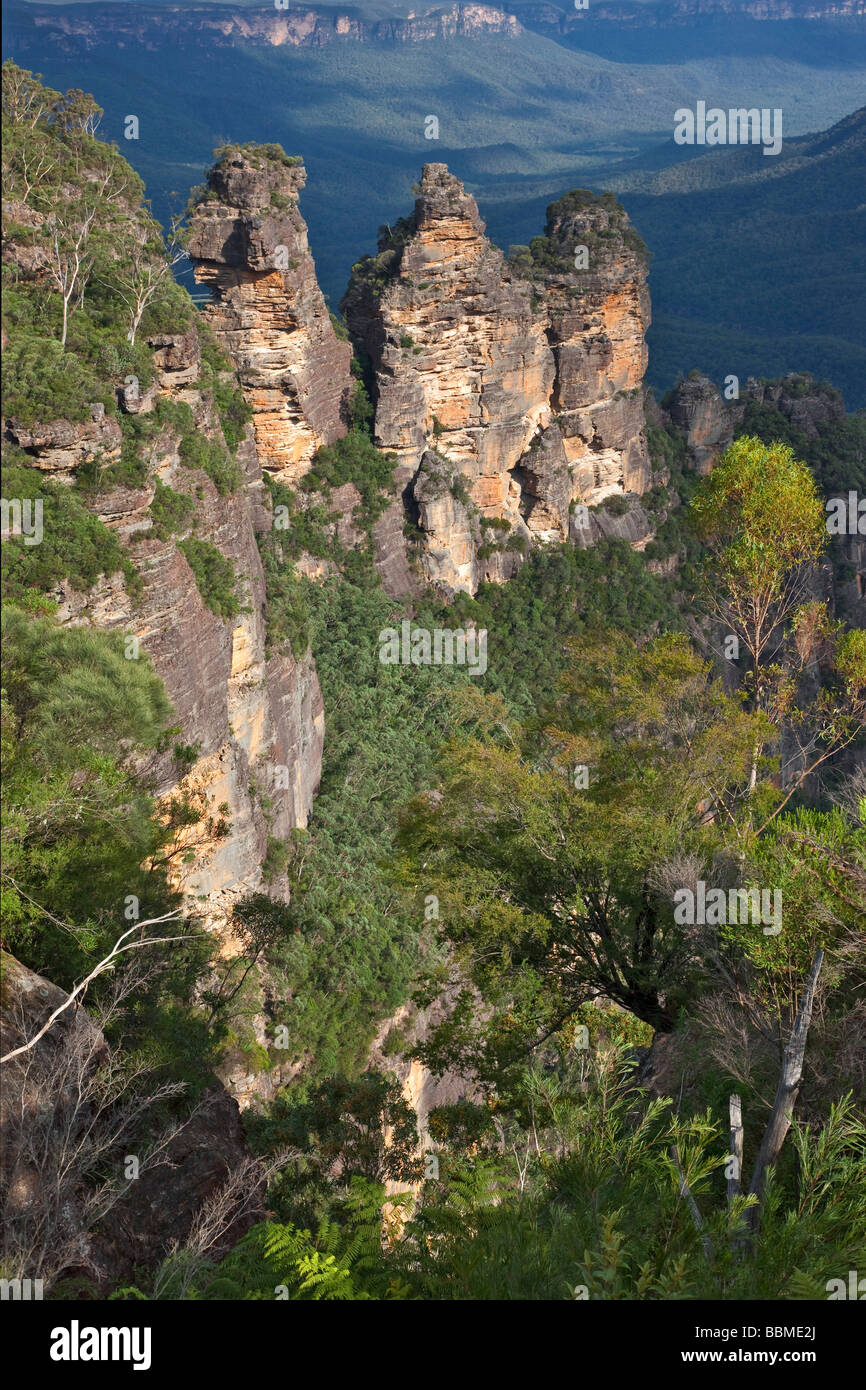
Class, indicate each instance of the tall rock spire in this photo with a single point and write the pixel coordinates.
(249, 246)
(509, 391)
(591, 268)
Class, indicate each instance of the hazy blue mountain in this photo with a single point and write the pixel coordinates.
(526, 111)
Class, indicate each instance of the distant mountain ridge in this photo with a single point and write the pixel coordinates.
(221, 26)
(728, 164)
(651, 13)
(522, 114)
(771, 252)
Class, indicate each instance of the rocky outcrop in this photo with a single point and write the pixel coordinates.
(391, 1052)
(61, 446)
(250, 724)
(632, 524)
(206, 1156)
(592, 266)
(249, 247)
(625, 14)
(807, 404)
(697, 409)
(509, 392)
(708, 421)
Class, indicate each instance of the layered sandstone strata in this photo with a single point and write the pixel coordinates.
(592, 268)
(252, 717)
(249, 247)
(221, 26)
(510, 392)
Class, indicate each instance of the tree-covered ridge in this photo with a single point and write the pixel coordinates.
(88, 290)
(91, 268)
(89, 300)
(800, 224)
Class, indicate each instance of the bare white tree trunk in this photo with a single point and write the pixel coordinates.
(735, 1181)
(786, 1094)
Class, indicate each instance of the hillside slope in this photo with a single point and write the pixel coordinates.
(773, 263)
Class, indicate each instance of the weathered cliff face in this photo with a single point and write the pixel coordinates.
(463, 375)
(705, 419)
(509, 393)
(220, 26)
(249, 246)
(708, 420)
(252, 717)
(623, 13)
(598, 318)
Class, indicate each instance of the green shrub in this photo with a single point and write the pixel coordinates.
(459, 490)
(75, 545)
(170, 511)
(360, 411)
(214, 576)
(353, 459)
(259, 155)
(234, 412)
(276, 859)
(616, 504)
(339, 327)
(42, 383)
(197, 451)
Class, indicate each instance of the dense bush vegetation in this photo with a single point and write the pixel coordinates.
(214, 576)
(552, 255)
(75, 545)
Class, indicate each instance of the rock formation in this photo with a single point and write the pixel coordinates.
(244, 711)
(708, 420)
(510, 393)
(598, 318)
(544, 17)
(249, 246)
(704, 418)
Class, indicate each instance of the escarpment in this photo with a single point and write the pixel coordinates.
(509, 392)
(246, 752)
(222, 26)
(249, 247)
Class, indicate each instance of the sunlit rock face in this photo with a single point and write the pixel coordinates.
(510, 392)
(249, 247)
(242, 709)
